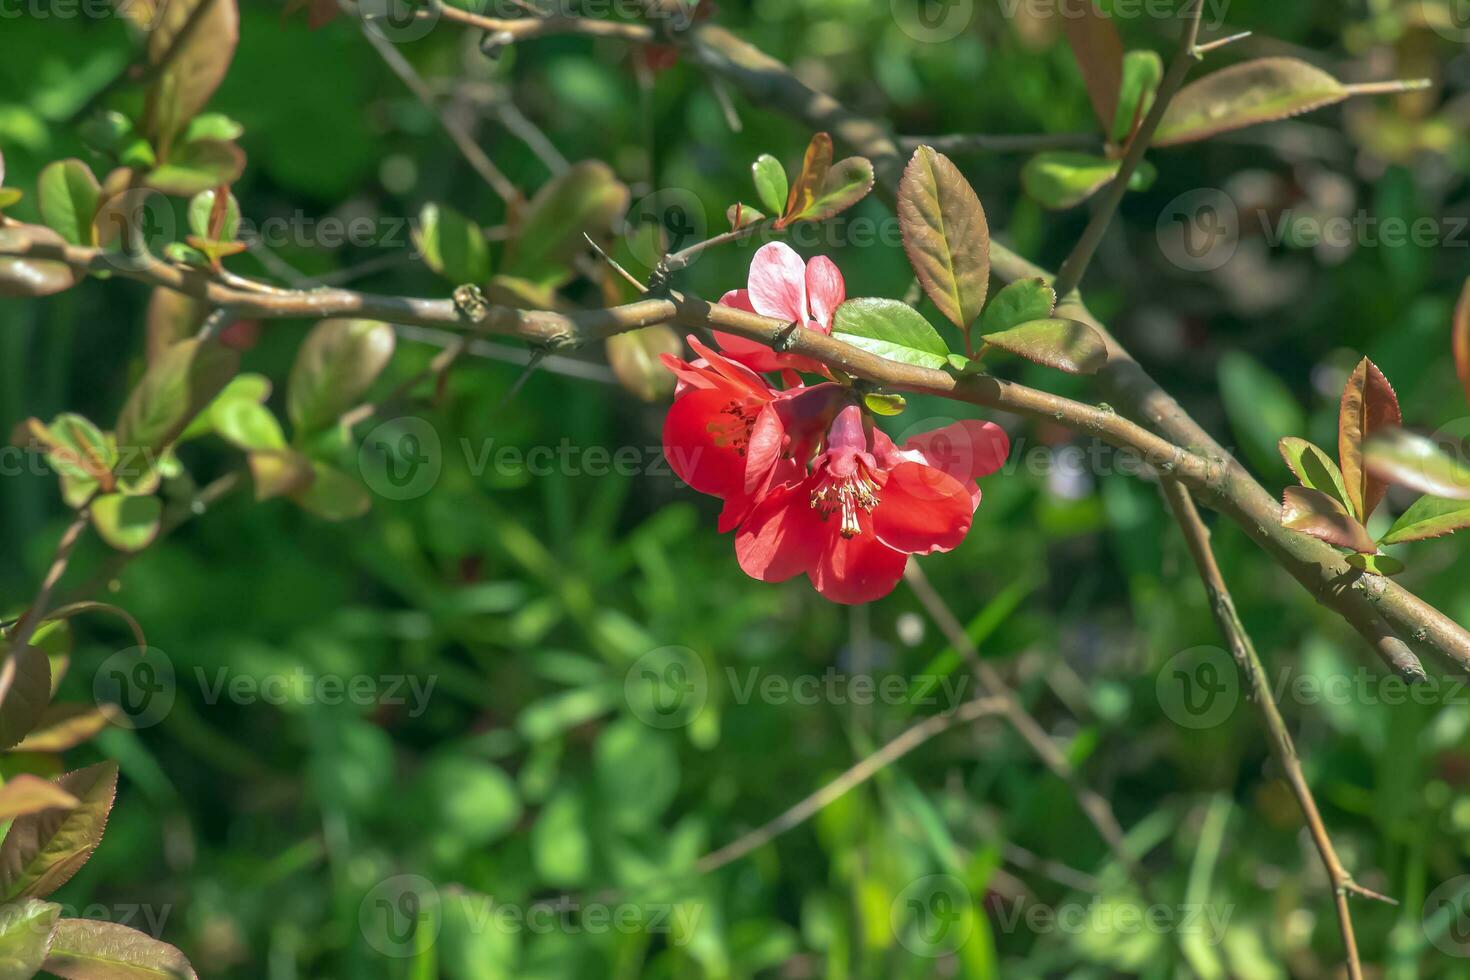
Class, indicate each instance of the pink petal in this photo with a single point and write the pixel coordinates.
(782, 537)
(922, 510)
(965, 450)
(778, 283)
(857, 569)
(825, 290)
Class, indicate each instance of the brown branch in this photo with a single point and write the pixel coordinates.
(1222, 607)
(510, 30)
(1004, 143)
(21, 635)
(1094, 805)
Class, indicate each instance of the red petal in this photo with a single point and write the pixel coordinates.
(922, 509)
(782, 537)
(857, 569)
(702, 441)
(965, 450)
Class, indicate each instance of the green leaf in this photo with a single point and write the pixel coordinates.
(770, 182)
(1019, 302)
(945, 235)
(1260, 407)
(741, 216)
(126, 523)
(69, 199)
(25, 935)
(1063, 179)
(1067, 345)
(848, 181)
(1377, 564)
(337, 362)
(213, 126)
(890, 329)
(1317, 514)
(1411, 460)
(10, 196)
(192, 67)
(1313, 468)
(202, 217)
(172, 317)
(453, 245)
(280, 473)
(43, 850)
(173, 390)
(25, 691)
(885, 403)
(25, 793)
(472, 802)
(333, 495)
(247, 424)
(637, 774)
(586, 199)
(78, 449)
(1142, 72)
(560, 845)
(94, 949)
(1429, 517)
(1242, 95)
(1369, 406)
(25, 278)
(198, 166)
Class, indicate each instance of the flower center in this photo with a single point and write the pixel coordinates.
(733, 428)
(846, 494)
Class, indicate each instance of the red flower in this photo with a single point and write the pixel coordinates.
(866, 505)
(731, 435)
(782, 286)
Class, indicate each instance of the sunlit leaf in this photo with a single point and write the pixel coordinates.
(24, 793)
(25, 933)
(173, 390)
(126, 523)
(246, 424)
(452, 245)
(884, 403)
(1099, 52)
(890, 329)
(335, 365)
(1315, 513)
(1414, 461)
(1429, 517)
(43, 850)
(771, 186)
(1369, 405)
(69, 198)
(95, 949)
(1142, 72)
(1067, 345)
(1377, 564)
(1313, 468)
(214, 218)
(1063, 179)
(848, 181)
(741, 215)
(587, 199)
(62, 727)
(1019, 302)
(1245, 94)
(945, 235)
(814, 166)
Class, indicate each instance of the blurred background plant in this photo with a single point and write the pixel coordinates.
(275, 827)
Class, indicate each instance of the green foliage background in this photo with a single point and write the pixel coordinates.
(264, 831)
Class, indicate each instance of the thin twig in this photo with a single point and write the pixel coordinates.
(1093, 804)
(1222, 607)
(1003, 143)
(1072, 270)
(26, 628)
